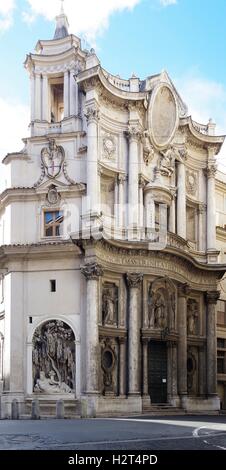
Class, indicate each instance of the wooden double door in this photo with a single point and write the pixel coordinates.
(157, 371)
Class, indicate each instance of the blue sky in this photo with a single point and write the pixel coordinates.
(185, 37)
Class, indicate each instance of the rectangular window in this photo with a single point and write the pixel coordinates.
(53, 223)
(53, 285)
(57, 99)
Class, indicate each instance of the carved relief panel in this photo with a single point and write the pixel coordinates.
(109, 366)
(192, 371)
(53, 358)
(109, 146)
(192, 183)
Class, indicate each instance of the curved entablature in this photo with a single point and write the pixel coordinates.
(200, 136)
(97, 72)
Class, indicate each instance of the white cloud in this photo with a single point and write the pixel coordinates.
(6, 14)
(205, 99)
(14, 120)
(87, 17)
(166, 3)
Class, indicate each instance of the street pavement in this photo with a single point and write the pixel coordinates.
(138, 433)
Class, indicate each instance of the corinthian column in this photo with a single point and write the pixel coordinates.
(181, 200)
(134, 281)
(92, 116)
(211, 334)
(211, 209)
(134, 135)
(183, 291)
(92, 272)
(73, 94)
(66, 94)
(38, 96)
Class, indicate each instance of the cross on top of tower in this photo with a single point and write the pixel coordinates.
(61, 24)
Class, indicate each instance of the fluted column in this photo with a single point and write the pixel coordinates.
(145, 365)
(134, 135)
(134, 281)
(73, 94)
(92, 273)
(121, 180)
(149, 215)
(92, 116)
(142, 184)
(211, 208)
(211, 336)
(32, 83)
(45, 99)
(66, 94)
(201, 215)
(181, 200)
(38, 96)
(183, 291)
(172, 215)
(122, 366)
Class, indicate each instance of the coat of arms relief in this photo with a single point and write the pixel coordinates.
(53, 159)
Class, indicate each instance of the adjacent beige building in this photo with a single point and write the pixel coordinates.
(111, 270)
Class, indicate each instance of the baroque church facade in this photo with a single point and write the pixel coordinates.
(109, 266)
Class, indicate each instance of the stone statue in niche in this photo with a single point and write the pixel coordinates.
(54, 358)
(157, 311)
(109, 305)
(192, 316)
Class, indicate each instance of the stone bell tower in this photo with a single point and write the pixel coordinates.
(54, 94)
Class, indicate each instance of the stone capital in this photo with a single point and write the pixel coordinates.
(122, 340)
(202, 208)
(92, 271)
(134, 132)
(183, 290)
(121, 178)
(92, 113)
(212, 297)
(211, 170)
(134, 280)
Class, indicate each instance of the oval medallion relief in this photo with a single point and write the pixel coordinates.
(163, 116)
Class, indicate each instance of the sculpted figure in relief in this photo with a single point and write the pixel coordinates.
(45, 385)
(166, 162)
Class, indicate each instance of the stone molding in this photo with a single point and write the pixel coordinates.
(92, 271)
(134, 280)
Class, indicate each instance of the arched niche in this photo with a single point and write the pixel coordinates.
(53, 358)
(162, 304)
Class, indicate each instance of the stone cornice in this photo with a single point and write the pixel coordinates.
(86, 75)
(29, 193)
(15, 156)
(42, 250)
(202, 139)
